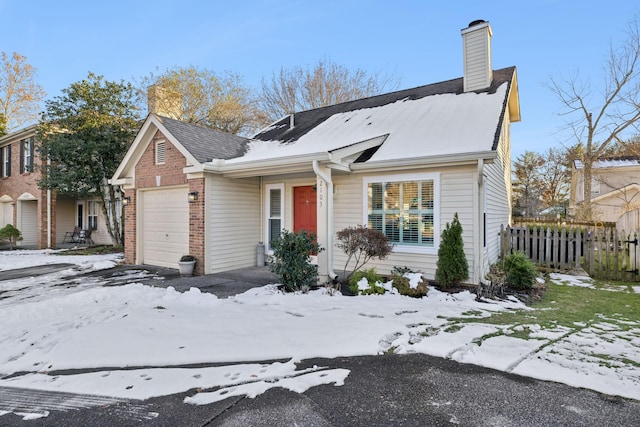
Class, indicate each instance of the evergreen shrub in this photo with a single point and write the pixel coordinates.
(374, 280)
(452, 266)
(291, 260)
(520, 271)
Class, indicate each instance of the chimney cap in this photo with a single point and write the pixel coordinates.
(476, 22)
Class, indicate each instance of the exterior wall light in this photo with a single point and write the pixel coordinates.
(126, 201)
(193, 196)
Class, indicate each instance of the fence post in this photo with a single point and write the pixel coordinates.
(563, 248)
(547, 242)
(578, 248)
(616, 265)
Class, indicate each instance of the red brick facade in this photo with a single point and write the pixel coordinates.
(148, 175)
(18, 184)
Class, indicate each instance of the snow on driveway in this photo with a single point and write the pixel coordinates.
(47, 326)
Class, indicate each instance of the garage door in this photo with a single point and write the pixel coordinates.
(165, 226)
(28, 222)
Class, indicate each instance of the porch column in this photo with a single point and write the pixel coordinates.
(324, 233)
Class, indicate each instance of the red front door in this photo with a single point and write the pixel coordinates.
(304, 209)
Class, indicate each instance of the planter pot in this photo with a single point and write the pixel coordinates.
(186, 267)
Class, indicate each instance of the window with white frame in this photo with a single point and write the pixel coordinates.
(274, 213)
(161, 150)
(26, 153)
(92, 215)
(404, 208)
(5, 161)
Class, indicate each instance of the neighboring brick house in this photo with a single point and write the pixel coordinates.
(42, 217)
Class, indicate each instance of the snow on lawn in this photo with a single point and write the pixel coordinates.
(157, 333)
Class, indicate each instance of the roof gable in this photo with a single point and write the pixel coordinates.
(203, 143)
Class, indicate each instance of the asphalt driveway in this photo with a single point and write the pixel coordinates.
(389, 390)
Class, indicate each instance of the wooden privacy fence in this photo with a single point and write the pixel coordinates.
(602, 253)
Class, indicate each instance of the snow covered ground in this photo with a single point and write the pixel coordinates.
(54, 322)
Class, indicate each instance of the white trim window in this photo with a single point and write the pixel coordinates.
(274, 209)
(5, 160)
(404, 208)
(161, 152)
(92, 215)
(26, 153)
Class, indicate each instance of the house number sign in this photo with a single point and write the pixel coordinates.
(320, 193)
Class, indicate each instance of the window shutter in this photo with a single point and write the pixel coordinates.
(8, 161)
(21, 156)
(2, 171)
(32, 152)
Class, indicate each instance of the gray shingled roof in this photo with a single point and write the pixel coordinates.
(305, 121)
(203, 143)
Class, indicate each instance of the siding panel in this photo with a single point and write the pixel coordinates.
(234, 219)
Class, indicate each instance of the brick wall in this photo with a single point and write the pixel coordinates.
(130, 241)
(20, 183)
(150, 175)
(170, 173)
(196, 225)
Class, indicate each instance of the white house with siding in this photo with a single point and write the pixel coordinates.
(403, 163)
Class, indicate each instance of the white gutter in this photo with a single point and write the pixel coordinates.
(49, 245)
(329, 182)
(432, 161)
(49, 218)
(481, 222)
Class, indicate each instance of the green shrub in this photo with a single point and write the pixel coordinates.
(400, 270)
(452, 267)
(403, 285)
(372, 278)
(10, 233)
(520, 272)
(291, 260)
(362, 244)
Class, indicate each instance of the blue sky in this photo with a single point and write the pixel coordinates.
(417, 41)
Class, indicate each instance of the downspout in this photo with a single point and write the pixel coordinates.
(329, 182)
(480, 248)
(49, 245)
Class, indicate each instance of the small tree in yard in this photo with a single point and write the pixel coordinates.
(362, 244)
(292, 260)
(452, 267)
(10, 233)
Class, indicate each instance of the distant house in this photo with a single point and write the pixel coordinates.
(403, 163)
(42, 217)
(615, 187)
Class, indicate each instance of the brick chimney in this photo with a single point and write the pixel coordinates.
(164, 102)
(476, 50)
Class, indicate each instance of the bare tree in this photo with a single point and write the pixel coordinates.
(598, 120)
(326, 83)
(555, 178)
(201, 96)
(527, 182)
(20, 95)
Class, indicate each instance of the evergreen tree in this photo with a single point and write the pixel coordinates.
(452, 267)
(84, 134)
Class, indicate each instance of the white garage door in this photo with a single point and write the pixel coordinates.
(28, 222)
(165, 226)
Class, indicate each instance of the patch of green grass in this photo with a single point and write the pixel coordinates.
(476, 313)
(567, 305)
(93, 250)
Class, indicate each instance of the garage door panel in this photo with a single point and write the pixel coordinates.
(165, 226)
